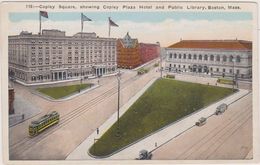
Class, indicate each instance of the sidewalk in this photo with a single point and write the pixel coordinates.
(24, 110)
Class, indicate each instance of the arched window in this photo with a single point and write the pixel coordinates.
(238, 59)
(211, 58)
(230, 58)
(175, 55)
(179, 56)
(200, 57)
(218, 58)
(224, 58)
(206, 57)
(184, 56)
(194, 57)
(189, 56)
(170, 55)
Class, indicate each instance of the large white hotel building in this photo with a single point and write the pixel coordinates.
(53, 56)
(225, 58)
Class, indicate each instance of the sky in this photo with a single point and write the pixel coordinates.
(150, 27)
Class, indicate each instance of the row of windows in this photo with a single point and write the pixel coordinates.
(205, 57)
(224, 70)
(71, 43)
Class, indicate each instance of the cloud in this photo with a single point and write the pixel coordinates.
(166, 32)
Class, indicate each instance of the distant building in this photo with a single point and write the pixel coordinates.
(128, 55)
(11, 100)
(149, 52)
(53, 56)
(132, 54)
(226, 58)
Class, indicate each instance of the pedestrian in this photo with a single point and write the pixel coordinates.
(97, 131)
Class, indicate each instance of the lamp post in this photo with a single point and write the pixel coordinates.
(158, 43)
(118, 103)
(233, 60)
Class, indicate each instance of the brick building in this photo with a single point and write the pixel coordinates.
(132, 54)
(149, 52)
(11, 100)
(128, 55)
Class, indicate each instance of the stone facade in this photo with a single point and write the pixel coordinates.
(226, 58)
(53, 56)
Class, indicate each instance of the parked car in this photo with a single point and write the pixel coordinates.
(221, 109)
(201, 121)
(144, 155)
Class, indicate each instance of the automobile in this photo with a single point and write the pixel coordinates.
(221, 109)
(144, 155)
(201, 121)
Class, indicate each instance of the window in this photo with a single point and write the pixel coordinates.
(195, 57)
(184, 56)
(170, 55)
(206, 57)
(211, 58)
(179, 56)
(200, 57)
(230, 70)
(217, 70)
(189, 56)
(218, 58)
(224, 58)
(238, 59)
(175, 55)
(231, 59)
(224, 70)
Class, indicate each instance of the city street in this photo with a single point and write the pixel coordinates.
(228, 136)
(82, 115)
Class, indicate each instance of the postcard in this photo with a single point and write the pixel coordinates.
(129, 82)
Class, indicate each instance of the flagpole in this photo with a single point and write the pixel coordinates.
(108, 27)
(81, 23)
(40, 21)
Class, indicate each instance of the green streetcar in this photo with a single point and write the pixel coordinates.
(43, 123)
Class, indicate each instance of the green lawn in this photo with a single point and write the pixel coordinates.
(163, 103)
(225, 81)
(59, 92)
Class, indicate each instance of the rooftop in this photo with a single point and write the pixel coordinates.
(214, 44)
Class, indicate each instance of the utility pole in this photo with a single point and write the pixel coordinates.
(233, 60)
(118, 103)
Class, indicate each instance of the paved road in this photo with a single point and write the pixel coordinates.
(227, 136)
(74, 132)
(60, 141)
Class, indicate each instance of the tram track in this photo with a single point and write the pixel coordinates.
(26, 143)
(215, 133)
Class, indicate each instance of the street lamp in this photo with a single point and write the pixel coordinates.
(233, 60)
(118, 103)
(160, 58)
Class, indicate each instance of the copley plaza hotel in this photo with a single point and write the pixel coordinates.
(52, 56)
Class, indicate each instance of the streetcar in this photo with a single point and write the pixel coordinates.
(43, 123)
